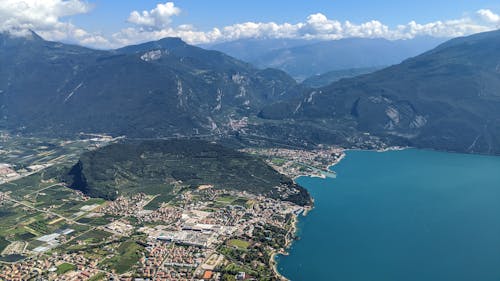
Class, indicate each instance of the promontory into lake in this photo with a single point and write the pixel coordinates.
(194, 140)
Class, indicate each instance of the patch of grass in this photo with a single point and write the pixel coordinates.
(225, 199)
(96, 220)
(11, 216)
(94, 236)
(238, 243)
(40, 227)
(97, 277)
(65, 267)
(128, 254)
(165, 196)
(240, 202)
(53, 196)
(278, 161)
(69, 208)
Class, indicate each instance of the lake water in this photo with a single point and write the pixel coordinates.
(401, 215)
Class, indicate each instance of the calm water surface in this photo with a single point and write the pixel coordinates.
(401, 215)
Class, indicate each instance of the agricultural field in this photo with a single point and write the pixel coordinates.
(128, 254)
(37, 212)
(26, 185)
(60, 226)
(26, 151)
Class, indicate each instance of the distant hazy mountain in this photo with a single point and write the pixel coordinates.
(252, 49)
(321, 80)
(447, 98)
(157, 88)
(303, 59)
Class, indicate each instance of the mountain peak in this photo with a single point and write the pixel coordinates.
(167, 43)
(21, 33)
(33, 35)
(172, 40)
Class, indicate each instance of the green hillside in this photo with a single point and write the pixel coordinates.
(153, 167)
(447, 98)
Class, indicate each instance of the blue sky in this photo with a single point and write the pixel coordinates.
(109, 23)
(110, 15)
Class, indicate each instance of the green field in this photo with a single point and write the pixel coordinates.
(164, 195)
(278, 161)
(238, 243)
(24, 186)
(97, 220)
(94, 236)
(99, 276)
(127, 255)
(53, 196)
(65, 267)
(71, 206)
(13, 220)
(225, 199)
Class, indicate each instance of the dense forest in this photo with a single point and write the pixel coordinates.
(155, 166)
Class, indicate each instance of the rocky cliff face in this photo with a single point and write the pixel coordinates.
(155, 89)
(447, 98)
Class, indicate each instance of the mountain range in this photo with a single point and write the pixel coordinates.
(321, 80)
(447, 98)
(302, 59)
(154, 89)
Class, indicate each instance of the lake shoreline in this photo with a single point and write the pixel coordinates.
(380, 205)
(294, 229)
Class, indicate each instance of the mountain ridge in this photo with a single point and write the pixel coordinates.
(446, 98)
(302, 58)
(153, 89)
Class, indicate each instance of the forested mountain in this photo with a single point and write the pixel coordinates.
(447, 98)
(153, 89)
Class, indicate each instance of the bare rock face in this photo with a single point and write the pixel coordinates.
(447, 98)
(153, 89)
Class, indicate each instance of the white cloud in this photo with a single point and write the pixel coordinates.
(34, 13)
(47, 17)
(152, 25)
(489, 16)
(156, 19)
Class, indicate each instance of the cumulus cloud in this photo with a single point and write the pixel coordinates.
(156, 19)
(48, 18)
(489, 16)
(157, 23)
(15, 14)
(45, 18)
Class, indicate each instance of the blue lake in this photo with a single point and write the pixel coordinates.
(401, 215)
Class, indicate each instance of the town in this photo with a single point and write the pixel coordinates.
(297, 162)
(51, 232)
(207, 238)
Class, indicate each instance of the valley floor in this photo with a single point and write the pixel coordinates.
(50, 231)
